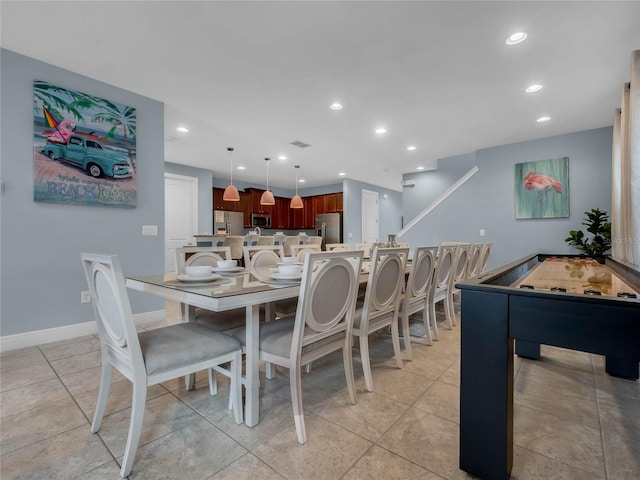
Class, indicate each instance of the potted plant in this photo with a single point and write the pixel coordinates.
(597, 223)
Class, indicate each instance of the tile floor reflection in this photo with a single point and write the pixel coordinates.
(572, 421)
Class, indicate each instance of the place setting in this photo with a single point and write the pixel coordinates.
(288, 273)
(195, 275)
(227, 267)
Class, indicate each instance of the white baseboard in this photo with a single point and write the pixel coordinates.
(38, 337)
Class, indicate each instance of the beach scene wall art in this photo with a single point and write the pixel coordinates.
(542, 189)
(84, 148)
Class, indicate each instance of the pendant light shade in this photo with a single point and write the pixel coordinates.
(296, 201)
(267, 196)
(231, 192)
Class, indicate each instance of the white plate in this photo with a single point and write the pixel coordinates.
(227, 270)
(280, 276)
(188, 279)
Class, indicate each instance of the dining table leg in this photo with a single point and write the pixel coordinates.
(252, 385)
(270, 315)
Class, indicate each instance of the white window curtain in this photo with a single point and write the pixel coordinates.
(625, 204)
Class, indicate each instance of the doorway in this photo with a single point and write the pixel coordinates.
(370, 227)
(180, 215)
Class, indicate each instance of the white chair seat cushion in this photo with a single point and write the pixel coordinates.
(164, 349)
(276, 337)
(222, 321)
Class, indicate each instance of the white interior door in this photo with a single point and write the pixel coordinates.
(370, 228)
(180, 215)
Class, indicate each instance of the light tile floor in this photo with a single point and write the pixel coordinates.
(572, 421)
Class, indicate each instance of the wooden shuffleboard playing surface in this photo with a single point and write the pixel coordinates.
(576, 275)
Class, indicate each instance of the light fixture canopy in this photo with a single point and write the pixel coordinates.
(267, 197)
(231, 192)
(296, 201)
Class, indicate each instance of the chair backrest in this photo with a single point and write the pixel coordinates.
(236, 242)
(484, 257)
(300, 251)
(386, 277)
(444, 267)
(315, 240)
(288, 241)
(474, 266)
(116, 327)
(327, 299)
(260, 258)
(251, 239)
(365, 247)
(200, 256)
(337, 247)
(421, 275)
(460, 263)
(266, 240)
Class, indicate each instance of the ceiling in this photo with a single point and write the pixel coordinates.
(260, 75)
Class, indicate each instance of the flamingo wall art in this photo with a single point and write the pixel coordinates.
(542, 189)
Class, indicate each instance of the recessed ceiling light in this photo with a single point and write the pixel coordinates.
(543, 119)
(241, 167)
(182, 129)
(341, 174)
(533, 88)
(420, 168)
(335, 106)
(381, 130)
(302, 180)
(282, 157)
(516, 38)
(411, 148)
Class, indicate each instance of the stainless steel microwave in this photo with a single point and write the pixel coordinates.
(260, 220)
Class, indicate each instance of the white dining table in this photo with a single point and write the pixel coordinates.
(225, 293)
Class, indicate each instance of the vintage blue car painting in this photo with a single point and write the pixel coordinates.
(84, 149)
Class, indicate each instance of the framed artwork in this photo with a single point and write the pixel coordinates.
(84, 149)
(542, 189)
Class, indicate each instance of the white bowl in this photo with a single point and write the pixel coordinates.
(290, 270)
(227, 263)
(197, 271)
(289, 260)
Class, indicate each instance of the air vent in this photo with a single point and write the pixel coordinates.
(300, 144)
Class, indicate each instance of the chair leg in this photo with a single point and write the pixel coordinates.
(296, 400)
(447, 313)
(213, 383)
(236, 388)
(406, 336)
(135, 427)
(452, 310)
(347, 359)
(427, 327)
(103, 395)
(395, 340)
(432, 320)
(366, 364)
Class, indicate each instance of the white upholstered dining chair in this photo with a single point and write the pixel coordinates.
(458, 274)
(381, 305)
(150, 357)
(290, 240)
(440, 285)
(484, 256)
(474, 265)
(260, 258)
(415, 297)
(299, 251)
(321, 325)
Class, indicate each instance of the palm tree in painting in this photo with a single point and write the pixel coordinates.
(120, 117)
(58, 99)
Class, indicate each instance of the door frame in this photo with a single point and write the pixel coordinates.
(375, 213)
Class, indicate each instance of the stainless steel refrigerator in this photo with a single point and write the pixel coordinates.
(231, 223)
(329, 227)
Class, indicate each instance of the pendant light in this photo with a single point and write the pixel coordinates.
(296, 201)
(267, 196)
(231, 192)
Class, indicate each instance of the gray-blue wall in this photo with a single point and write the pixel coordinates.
(41, 276)
(487, 202)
